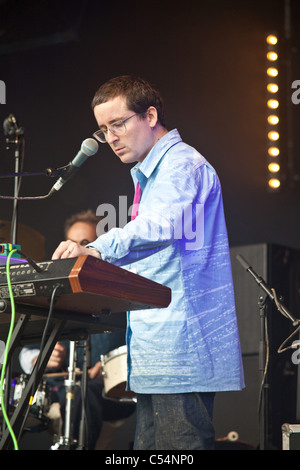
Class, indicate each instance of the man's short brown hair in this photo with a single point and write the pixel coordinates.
(87, 216)
(139, 95)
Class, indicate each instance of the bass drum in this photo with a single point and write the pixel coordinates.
(114, 366)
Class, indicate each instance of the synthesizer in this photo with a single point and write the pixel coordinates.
(83, 284)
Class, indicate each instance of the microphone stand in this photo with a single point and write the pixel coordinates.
(17, 134)
(17, 182)
(18, 141)
(53, 172)
(83, 430)
(262, 345)
(263, 421)
(58, 172)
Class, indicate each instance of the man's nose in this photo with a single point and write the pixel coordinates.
(111, 137)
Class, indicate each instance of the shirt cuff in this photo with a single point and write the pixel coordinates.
(95, 249)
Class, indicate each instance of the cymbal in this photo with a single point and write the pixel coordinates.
(31, 241)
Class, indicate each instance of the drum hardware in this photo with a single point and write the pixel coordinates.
(41, 400)
(64, 444)
(37, 419)
(232, 436)
(67, 442)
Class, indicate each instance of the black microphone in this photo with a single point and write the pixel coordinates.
(11, 126)
(88, 147)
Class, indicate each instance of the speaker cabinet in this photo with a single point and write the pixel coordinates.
(238, 411)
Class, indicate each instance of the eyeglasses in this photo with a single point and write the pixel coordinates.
(117, 128)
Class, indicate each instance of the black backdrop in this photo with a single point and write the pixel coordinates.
(207, 59)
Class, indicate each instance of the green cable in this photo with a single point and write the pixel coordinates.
(12, 322)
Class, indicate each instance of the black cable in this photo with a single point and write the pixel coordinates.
(31, 262)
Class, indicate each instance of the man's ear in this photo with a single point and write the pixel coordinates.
(152, 116)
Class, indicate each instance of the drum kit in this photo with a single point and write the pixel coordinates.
(41, 413)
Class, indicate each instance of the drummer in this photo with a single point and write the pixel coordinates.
(81, 228)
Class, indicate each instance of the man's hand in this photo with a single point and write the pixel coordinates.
(69, 249)
(57, 357)
(96, 371)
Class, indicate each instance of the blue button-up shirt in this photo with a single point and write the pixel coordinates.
(179, 239)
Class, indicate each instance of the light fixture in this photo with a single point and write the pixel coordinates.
(272, 39)
(272, 71)
(274, 183)
(272, 104)
(273, 119)
(272, 87)
(273, 167)
(272, 56)
(273, 151)
(272, 108)
(273, 135)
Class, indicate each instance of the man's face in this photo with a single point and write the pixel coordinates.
(82, 233)
(134, 145)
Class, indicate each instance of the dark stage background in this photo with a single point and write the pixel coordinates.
(208, 60)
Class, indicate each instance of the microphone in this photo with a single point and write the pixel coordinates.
(88, 147)
(11, 126)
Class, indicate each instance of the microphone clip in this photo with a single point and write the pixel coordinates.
(57, 172)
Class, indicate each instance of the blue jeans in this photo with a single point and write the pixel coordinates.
(181, 421)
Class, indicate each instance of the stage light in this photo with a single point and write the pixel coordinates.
(273, 167)
(272, 72)
(271, 39)
(272, 87)
(274, 183)
(272, 56)
(273, 104)
(273, 151)
(273, 135)
(273, 119)
(273, 108)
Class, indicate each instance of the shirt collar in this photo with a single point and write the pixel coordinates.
(148, 165)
